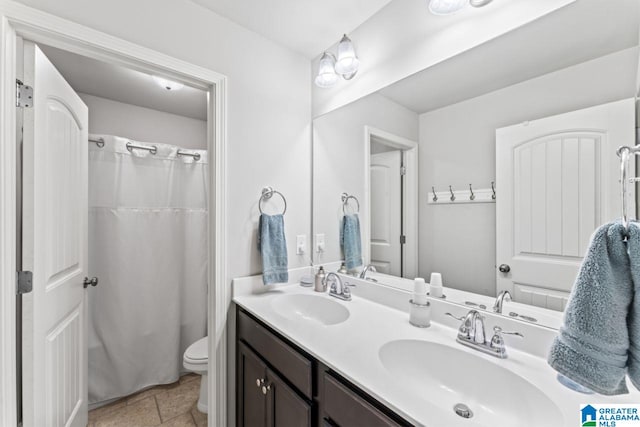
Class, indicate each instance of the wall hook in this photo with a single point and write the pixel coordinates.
(453, 196)
(435, 196)
(472, 196)
(493, 188)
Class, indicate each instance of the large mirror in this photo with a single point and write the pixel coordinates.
(492, 168)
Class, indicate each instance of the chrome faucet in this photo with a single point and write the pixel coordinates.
(471, 333)
(497, 306)
(363, 273)
(337, 288)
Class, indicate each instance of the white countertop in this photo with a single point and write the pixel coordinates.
(351, 349)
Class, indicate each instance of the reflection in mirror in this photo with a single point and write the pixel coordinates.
(541, 121)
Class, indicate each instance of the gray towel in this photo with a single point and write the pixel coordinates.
(350, 241)
(633, 363)
(273, 248)
(591, 347)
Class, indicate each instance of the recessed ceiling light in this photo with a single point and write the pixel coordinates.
(446, 7)
(167, 84)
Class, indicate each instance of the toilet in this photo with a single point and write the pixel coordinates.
(196, 359)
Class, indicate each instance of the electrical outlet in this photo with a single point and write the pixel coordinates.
(319, 243)
(301, 244)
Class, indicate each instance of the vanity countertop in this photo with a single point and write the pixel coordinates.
(351, 348)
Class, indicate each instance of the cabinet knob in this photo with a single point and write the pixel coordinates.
(259, 382)
(266, 388)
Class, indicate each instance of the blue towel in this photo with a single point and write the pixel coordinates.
(633, 363)
(591, 347)
(350, 241)
(273, 248)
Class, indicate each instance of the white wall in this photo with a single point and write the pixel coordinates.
(338, 158)
(144, 124)
(457, 147)
(404, 38)
(268, 113)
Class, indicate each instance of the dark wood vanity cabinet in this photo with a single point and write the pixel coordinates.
(279, 385)
(265, 400)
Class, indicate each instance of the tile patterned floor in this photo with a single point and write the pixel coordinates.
(172, 405)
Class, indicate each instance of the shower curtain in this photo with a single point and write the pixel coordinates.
(148, 247)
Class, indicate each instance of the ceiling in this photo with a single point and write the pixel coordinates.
(122, 84)
(304, 26)
(581, 31)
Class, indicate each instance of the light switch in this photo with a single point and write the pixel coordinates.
(319, 243)
(301, 244)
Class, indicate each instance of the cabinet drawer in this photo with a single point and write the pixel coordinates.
(346, 409)
(293, 366)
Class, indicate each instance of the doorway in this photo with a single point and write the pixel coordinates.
(88, 42)
(392, 207)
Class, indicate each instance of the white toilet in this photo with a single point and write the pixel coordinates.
(196, 359)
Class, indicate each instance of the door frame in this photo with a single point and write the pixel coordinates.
(41, 27)
(409, 196)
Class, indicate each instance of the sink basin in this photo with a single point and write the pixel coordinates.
(447, 376)
(311, 308)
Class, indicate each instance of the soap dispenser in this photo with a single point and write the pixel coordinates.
(320, 284)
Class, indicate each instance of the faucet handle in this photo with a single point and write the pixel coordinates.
(455, 317)
(498, 330)
(497, 341)
(467, 328)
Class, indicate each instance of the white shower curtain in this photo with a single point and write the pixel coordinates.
(148, 247)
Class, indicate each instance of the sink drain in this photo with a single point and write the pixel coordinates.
(463, 410)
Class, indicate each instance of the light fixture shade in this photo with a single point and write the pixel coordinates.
(327, 76)
(479, 3)
(167, 84)
(347, 63)
(446, 7)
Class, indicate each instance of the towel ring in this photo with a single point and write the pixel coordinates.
(267, 193)
(345, 202)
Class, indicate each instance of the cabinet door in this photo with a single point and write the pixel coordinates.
(252, 409)
(284, 407)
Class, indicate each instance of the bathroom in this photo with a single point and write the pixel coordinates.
(431, 90)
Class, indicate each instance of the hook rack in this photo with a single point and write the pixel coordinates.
(477, 195)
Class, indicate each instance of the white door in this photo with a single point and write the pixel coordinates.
(557, 180)
(54, 248)
(386, 213)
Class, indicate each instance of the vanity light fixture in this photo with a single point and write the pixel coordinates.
(327, 76)
(479, 3)
(345, 66)
(167, 84)
(447, 7)
(347, 63)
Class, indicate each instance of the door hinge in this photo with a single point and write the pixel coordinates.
(403, 170)
(403, 239)
(24, 282)
(24, 95)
